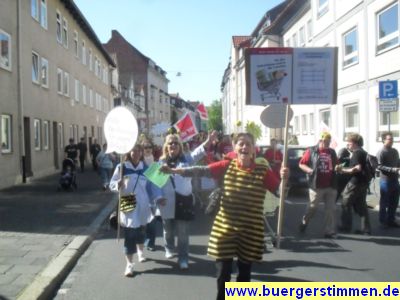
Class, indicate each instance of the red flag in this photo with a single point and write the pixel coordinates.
(186, 127)
(202, 111)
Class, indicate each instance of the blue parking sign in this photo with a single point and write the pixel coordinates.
(388, 89)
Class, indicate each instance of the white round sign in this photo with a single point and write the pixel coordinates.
(120, 130)
(273, 116)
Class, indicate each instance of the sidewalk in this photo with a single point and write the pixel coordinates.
(43, 232)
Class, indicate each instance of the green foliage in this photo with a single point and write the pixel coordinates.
(254, 129)
(215, 116)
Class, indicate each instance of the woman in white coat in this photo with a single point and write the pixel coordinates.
(135, 212)
(177, 186)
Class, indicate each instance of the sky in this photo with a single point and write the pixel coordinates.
(192, 37)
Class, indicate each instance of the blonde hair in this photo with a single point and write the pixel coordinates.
(173, 136)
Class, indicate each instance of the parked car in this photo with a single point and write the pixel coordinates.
(297, 178)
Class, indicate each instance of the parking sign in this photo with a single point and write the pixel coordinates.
(388, 89)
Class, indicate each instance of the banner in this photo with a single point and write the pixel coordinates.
(202, 110)
(186, 128)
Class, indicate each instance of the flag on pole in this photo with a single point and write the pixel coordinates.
(186, 127)
(202, 111)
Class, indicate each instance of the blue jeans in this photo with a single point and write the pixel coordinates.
(181, 229)
(390, 192)
(105, 174)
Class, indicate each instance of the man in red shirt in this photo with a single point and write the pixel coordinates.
(274, 157)
(319, 164)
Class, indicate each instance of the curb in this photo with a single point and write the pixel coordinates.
(57, 269)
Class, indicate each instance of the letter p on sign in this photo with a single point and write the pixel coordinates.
(388, 89)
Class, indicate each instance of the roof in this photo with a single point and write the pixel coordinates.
(84, 24)
(269, 17)
(239, 40)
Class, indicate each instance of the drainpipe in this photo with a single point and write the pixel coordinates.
(20, 98)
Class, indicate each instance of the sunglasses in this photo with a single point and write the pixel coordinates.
(173, 143)
(147, 147)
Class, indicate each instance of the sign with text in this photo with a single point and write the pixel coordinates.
(120, 130)
(388, 105)
(291, 75)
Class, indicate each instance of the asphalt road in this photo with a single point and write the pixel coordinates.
(302, 257)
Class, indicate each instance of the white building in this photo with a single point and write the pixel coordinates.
(368, 38)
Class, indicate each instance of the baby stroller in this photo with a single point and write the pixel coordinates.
(67, 179)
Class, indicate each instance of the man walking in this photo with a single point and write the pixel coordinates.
(94, 151)
(389, 166)
(71, 150)
(319, 163)
(82, 153)
(355, 192)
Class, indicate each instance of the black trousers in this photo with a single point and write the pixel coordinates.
(224, 271)
(82, 163)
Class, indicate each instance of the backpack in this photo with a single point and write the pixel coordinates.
(371, 167)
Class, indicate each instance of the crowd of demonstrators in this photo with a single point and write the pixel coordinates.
(105, 162)
(176, 214)
(354, 195)
(238, 229)
(389, 166)
(138, 196)
(319, 163)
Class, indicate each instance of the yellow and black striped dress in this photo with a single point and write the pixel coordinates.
(238, 229)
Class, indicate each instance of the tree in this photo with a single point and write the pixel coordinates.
(254, 129)
(215, 116)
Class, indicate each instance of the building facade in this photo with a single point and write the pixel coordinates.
(55, 83)
(144, 78)
(367, 36)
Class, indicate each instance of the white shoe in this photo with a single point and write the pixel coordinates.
(141, 258)
(129, 270)
(183, 265)
(168, 254)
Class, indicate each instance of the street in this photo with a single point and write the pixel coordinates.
(302, 257)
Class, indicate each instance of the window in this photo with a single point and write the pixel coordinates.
(65, 33)
(96, 65)
(325, 116)
(83, 52)
(35, 9)
(91, 97)
(35, 67)
(36, 125)
(43, 13)
(58, 30)
(76, 90)
(388, 28)
(44, 72)
(5, 50)
(351, 119)
(60, 134)
(46, 135)
(389, 120)
(90, 60)
(302, 36)
(76, 45)
(323, 7)
(350, 48)
(59, 81)
(287, 43)
(312, 129)
(304, 124)
(294, 40)
(84, 99)
(5, 134)
(296, 125)
(309, 29)
(66, 84)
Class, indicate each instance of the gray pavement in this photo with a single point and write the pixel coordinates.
(43, 232)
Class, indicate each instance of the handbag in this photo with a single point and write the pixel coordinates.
(184, 207)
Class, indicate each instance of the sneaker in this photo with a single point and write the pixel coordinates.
(168, 254)
(183, 265)
(151, 248)
(129, 270)
(141, 258)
